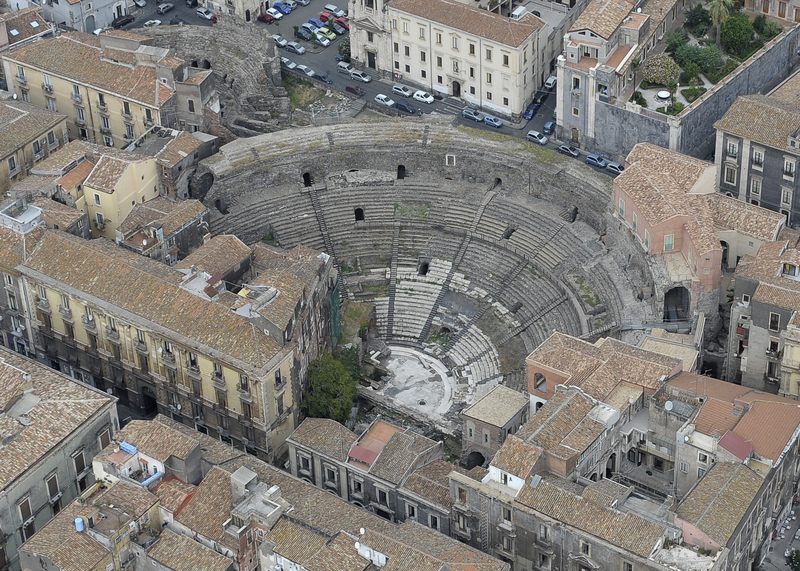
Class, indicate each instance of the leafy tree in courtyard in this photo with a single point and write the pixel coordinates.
(660, 69)
(333, 391)
(349, 358)
(737, 35)
(344, 49)
(793, 560)
(719, 10)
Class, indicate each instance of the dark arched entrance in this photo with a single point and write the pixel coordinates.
(247, 15)
(401, 172)
(149, 404)
(724, 245)
(593, 477)
(611, 465)
(676, 304)
(359, 213)
(423, 269)
(475, 459)
(539, 405)
(206, 64)
(307, 180)
(456, 89)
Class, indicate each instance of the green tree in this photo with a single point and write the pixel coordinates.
(719, 11)
(636, 64)
(676, 39)
(737, 35)
(697, 19)
(349, 358)
(333, 391)
(793, 560)
(661, 69)
(344, 49)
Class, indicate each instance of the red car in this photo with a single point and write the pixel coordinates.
(343, 22)
(266, 18)
(326, 16)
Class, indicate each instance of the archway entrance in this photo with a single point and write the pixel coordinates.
(90, 24)
(724, 245)
(676, 304)
(456, 89)
(359, 213)
(307, 180)
(148, 400)
(423, 269)
(371, 60)
(401, 172)
(247, 15)
(475, 459)
(611, 465)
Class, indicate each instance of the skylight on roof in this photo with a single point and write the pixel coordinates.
(34, 24)
(14, 32)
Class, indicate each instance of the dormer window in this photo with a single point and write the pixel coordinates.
(790, 270)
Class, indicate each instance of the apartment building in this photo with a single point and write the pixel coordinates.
(488, 421)
(84, 15)
(30, 134)
(54, 427)
(22, 26)
(113, 87)
(786, 10)
(452, 49)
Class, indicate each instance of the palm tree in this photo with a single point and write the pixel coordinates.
(636, 63)
(719, 10)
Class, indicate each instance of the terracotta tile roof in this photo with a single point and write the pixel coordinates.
(400, 455)
(606, 492)
(32, 183)
(64, 158)
(602, 17)
(179, 148)
(77, 175)
(180, 553)
(214, 451)
(745, 218)
(106, 174)
(498, 406)
(217, 256)
(480, 23)
(400, 556)
(769, 427)
(629, 531)
(762, 119)
(171, 214)
(77, 57)
(28, 23)
(22, 123)
(338, 555)
(766, 269)
(295, 542)
(517, 457)
(432, 482)
(133, 500)
(59, 407)
(789, 90)
(210, 507)
(717, 417)
(720, 500)
(325, 436)
(61, 214)
(15, 247)
(197, 78)
(777, 296)
(159, 444)
(173, 492)
(151, 291)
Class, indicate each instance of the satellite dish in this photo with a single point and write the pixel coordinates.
(358, 546)
(361, 531)
(668, 405)
(686, 438)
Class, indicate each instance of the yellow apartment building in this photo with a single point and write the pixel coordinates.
(161, 339)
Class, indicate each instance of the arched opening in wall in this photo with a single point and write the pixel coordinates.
(358, 504)
(539, 405)
(498, 182)
(401, 172)
(611, 465)
(218, 205)
(573, 215)
(676, 304)
(423, 269)
(247, 15)
(724, 245)
(90, 24)
(456, 89)
(206, 64)
(199, 186)
(194, 63)
(148, 400)
(508, 233)
(540, 382)
(385, 515)
(593, 477)
(475, 459)
(307, 180)
(359, 213)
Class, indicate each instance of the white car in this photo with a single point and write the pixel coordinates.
(335, 10)
(401, 90)
(551, 82)
(287, 63)
(280, 41)
(205, 13)
(140, 3)
(383, 99)
(536, 137)
(322, 40)
(306, 70)
(152, 23)
(423, 96)
(274, 13)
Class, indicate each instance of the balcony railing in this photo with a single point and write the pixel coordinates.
(218, 379)
(65, 312)
(112, 334)
(21, 79)
(140, 346)
(43, 304)
(47, 87)
(88, 323)
(102, 106)
(76, 97)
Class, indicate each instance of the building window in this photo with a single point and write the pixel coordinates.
(97, 200)
(423, 74)
(489, 78)
(788, 168)
(422, 56)
(472, 90)
(28, 525)
(505, 60)
(411, 511)
(455, 43)
(543, 532)
(422, 33)
(438, 62)
(407, 51)
(129, 131)
(669, 242)
(397, 65)
(81, 114)
(702, 458)
(472, 49)
(774, 321)
(507, 514)
(488, 95)
(508, 544)
(732, 150)
(576, 83)
(635, 222)
(575, 111)
(438, 38)
(622, 208)
(51, 104)
(26, 96)
(79, 462)
(646, 238)
(684, 467)
(505, 101)
(488, 54)
(126, 108)
(433, 522)
(758, 158)
(730, 175)
(627, 566)
(191, 105)
(755, 186)
(786, 196)
(243, 383)
(405, 27)
(700, 472)
(12, 302)
(330, 475)
(247, 411)
(439, 79)
(383, 498)
(586, 549)
(108, 142)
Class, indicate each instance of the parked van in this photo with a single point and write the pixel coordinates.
(291, 4)
(344, 67)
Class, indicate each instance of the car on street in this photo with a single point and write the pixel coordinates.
(423, 96)
(531, 111)
(337, 29)
(401, 90)
(596, 161)
(326, 33)
(343, 22)
(291, 4)
(360, 76)
(295, 48)
(615, 167)
(472, 114)
(382, 99)
(274, 13)
(493, 121)
(549, 128)
(152, 23)
(122, 21)
(403, 106)
(140, 3)
(326, 16)
(551, 82)
(191, 3)
(316, 22)
(323, 77)
(335, 10)
(303, 2)
(176, 20)
(266, 18)
(282, 8)
(540, 97)
(306, 70)
(536, 137)
(322, 40)
(354, 89)
(569, 151)
(303, 34)
(287, 63)
(280, 41)
(206, 14)
(164, 8)
(311, 28)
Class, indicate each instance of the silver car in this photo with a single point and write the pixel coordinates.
(536, 137)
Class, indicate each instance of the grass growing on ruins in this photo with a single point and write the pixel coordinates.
(269, 239)
(346, 269)
(355, 320)
(587, 293)
(301, 93)
(415, 211)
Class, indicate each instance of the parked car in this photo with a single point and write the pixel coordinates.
(205, 13)
(401, 90)
(382, 99)
(536, 137)
(303, 2)
(140, 3)
(540, 97)
(423, 96)
(615, 167)
(287, 63)
(344, 67)
(326, 16)
(551, 82)
(322, 77)
(337, 29)
(321, 40)
(472, 114)
(176, 21)
(596, 161)
(152, 23)
(291, 4)
(335, 10)
(531, 111)
(569, 151)
(493, 121)
(191, 3)
(316, 22)
(280, 41)
(282, 8)
(343, 22)
(354, 89)
(295, 48)
(306, 70)
(164, 8)
(549, 128)
(303, 34)
(274, 13)
(360, 76)
(325, 32)
(311, 28)
(403, 106)
(122, 21)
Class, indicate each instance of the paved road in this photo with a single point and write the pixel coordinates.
(180, 10)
